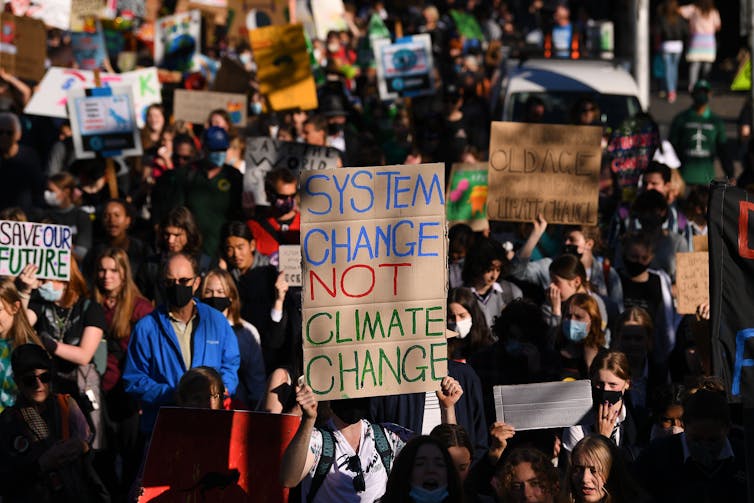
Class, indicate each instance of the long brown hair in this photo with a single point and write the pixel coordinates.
(596, 336)
(126, 296)
(75, 287)
(21, 331)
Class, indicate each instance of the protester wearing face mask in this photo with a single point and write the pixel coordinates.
(466, 319)
(219, 291)
(581, 337)
(633, 337)
(610, 374)
(281, 224)
(60, 198)
(179, 335)
(667, 416)
(698, 137)
(704, 462)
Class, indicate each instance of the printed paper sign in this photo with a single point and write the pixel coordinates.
(283, 67)
(541, 168)
(543, 405)
(265, 154)
(23, 46)
(329, 15)
(374, 254)
(404, 68)
(692, 281)
(47, 246)
(51, 96)
(195, 106)
(178, 41)
(289, 257)
(467, 195)
(103, 122)
(89, 48)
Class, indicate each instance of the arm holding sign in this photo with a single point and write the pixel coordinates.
(448, 395)
(21, 87)
(299, 458)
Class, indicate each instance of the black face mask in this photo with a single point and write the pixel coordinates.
(351, 410)
(178, 295)
(634, 268)
(600, 396)
(335, 128)
(219, 303)
(652, 223)
(572, 250)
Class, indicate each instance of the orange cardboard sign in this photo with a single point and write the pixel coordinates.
(692, 281)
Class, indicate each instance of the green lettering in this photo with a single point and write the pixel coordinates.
(309, 372)
(395, 321)
(422, 368)
(413, 311)
(372, 327)
(396, 371)
(368, 368)
(343, 370)
(437, 376)
(434, 320)
(49, 263)
(308, 329)
(338, 340)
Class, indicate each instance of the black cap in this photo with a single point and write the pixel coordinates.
(29, 357)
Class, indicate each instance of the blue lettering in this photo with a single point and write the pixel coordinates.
(410, 244)
(366, 188)
(384, 235)
(309, 258)
(363, 242)
(346, 246)
(435, 183)
(398, 191)
(308, 191)
(741, 361)
(341, 189)
(422, 237)
(388, 190)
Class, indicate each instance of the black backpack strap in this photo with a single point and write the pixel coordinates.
(276, 234)
(383, 446)
(326, 459)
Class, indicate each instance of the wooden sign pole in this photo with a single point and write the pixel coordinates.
(112, 182)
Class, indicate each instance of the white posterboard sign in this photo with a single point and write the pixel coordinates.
(46, 245)
(404, 68)
(543, 405)
(289, 260)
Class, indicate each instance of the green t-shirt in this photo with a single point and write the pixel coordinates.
(697, 139)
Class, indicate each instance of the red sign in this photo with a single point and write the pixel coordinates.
(217, 455)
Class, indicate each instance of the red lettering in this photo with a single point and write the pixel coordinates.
(395, 274)
(332, 293)
(744, 208)
(343, 281)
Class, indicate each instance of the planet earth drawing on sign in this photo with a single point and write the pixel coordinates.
(404, 59)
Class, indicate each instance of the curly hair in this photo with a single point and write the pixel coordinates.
(547, 474)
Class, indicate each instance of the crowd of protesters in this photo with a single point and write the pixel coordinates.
(175, 297)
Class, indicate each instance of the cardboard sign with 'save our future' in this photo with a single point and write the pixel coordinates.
(374, 252)
(543, 168)
(47, 246)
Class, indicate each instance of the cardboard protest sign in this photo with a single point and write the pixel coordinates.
(89, 48)
(289, 260)
(47, 246)
(53, 13)
(542, 168)
(23, 46)
(195, 106)
(238, 459)
(700, 243)
(232, 77)
(247, 15)
(329, 15)
(178, 41)
(265, 154)
(467, 195)
(374, 253)
(283, 68)
(404, 68)
(543, 405)
(103, 122)
(692, 281)
(51, 96)
(83, 10)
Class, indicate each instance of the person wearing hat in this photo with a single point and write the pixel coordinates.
(46, 439)
(698, 137)
(211, 189)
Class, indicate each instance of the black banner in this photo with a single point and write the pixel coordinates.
(731, 246)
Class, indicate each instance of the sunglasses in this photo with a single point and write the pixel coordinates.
(354, 465)
(30, 381)
(180, 281)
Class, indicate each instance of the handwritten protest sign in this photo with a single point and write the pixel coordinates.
(83, 10)
(289, 257)
(265, 154)
(284, 70)
(247, 15)
(89, 48)
(238, 460)
(178, 41)
(467, 195)
(329, 15)
(375, 283)
(54, 13)
(23, 46)
(47, 246)
(103, 122)
(195, 106)
(542, 168)
(692, 281)
(543, 405)
(50, 98)
(404, 68)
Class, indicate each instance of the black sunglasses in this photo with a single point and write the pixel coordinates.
(354, 465)
(30, 381)
(181, 281)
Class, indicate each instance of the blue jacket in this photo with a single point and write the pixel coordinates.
(154, 362)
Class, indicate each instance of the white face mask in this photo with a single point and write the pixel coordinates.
(463, 327)
(659, 432)
(52, 199)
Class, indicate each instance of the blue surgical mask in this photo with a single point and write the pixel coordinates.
(216, 158)
(421, 495)
(48, 292)
(256, 108)
(575, 331)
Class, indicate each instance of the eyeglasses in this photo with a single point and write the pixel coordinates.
(354, 465)
(180, 281)
(30, 381)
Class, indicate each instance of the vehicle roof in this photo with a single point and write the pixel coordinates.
(541, 75)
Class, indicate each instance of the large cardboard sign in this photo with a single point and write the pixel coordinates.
(283, 67)
(178, 41)
(47, 246)
(541, 168)
(404, 68)
(51, 96)
(265, 154)
(692, 280)
(84, 10)
(329, 15)
(195, 106)
(375, 280)
(247, 15)
(543, 405)
(23, 46)
(467, 195)
(103, 122)
(235, 458)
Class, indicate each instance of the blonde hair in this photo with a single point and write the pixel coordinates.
(596, 452)
(125, 298)
(234, 311)
(21, 331)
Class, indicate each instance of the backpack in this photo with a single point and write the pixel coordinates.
(327, 458)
